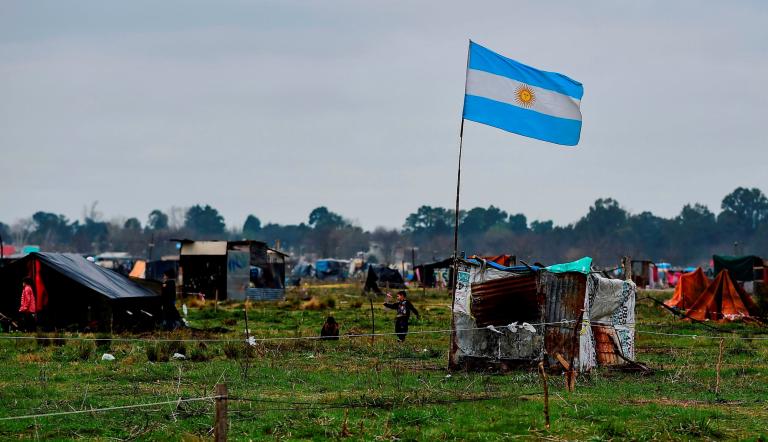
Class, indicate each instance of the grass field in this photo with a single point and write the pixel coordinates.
(358, 389)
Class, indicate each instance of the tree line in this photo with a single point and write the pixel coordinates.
(606, 232)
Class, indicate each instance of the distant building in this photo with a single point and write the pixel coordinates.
(233, 270)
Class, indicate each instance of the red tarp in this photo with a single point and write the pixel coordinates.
(505, 260)
(688, 289)
(723, 300)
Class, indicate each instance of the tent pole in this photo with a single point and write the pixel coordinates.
(454, 278)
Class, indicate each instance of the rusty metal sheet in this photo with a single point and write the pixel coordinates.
(605, 349)
(506, 300)
(564, 294)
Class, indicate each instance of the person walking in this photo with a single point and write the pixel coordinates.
(404, 308)
(28, 307)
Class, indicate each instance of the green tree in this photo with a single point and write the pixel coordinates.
(321, 218)
(541, 227)
(744, 209)
(51, 230)
(132, 224)
(604, 217)
(693, 233)
(157, 220)
(5, 233)
(251, 227)
(480, 220)
(518, 223)
(204, 220)
(91, 236)
(430, 220)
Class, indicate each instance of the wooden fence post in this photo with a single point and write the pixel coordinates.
(543, 375)
(373, 322)
(221, 423)
(717, 369)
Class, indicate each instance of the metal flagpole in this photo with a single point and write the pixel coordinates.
(455, 277)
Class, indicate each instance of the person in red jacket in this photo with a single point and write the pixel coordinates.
(28, 307)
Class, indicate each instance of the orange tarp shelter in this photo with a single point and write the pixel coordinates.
(688, 289)
(723, 300)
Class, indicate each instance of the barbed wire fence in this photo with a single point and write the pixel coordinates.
(221, 398)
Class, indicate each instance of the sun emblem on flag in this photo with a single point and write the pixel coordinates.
(525, 96)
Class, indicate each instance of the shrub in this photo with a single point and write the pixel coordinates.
(172, 347)
(232, 350)
(42, 339)
(104, 342)
(314, 303)
(157, 352)
(200, 353)
(84, 350)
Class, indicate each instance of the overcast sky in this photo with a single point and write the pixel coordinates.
(274, 108)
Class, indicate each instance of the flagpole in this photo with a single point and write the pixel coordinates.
(455, 277)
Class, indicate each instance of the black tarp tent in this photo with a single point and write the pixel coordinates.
(740, 268)
(426, 272)
(381, 275)
(72, 292)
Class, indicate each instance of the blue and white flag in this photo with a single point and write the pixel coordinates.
(511, 96)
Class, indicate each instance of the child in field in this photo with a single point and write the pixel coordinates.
(330, 329)
(404, 308)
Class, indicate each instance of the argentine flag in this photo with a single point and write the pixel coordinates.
(511, 96)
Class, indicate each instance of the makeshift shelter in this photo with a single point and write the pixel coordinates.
(154, 270)
(723, 300)
(331, 269)
(740, 268)
(435, 273)
(645, 274)
(301, 270)
(382, 276)
(233, 270)
(511, 316)
(688, 289)
(72, 292)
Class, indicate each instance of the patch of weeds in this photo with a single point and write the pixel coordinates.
(232, 350)
(42, 340)
(740, 349)
(208, 313)
(75, 351)
(104, 342)
(200, 353)
(613, 429)
(176, 347)
(58, 340)
(699, 427)
(314, 303)
(157, 352)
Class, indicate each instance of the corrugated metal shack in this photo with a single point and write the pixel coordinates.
(233, 270)
(507, 317)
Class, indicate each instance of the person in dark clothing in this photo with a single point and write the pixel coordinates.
(330, 329)
(168, 294)
(404, 308)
